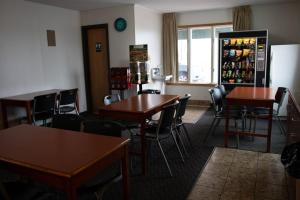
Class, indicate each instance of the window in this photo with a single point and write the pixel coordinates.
(198, 53)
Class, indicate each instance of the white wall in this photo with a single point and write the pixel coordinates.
(26, 62)
(118, 41)
(149, 33)
(282, 21)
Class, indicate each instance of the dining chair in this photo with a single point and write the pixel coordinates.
(111, 175)
(163, 130)
(149, 91)
(180, 112)
(67, 121)
(219, 112)
(113, 98)
(67, 101)
(43, 108)
(260, 112)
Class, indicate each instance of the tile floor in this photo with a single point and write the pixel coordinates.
(233, 174)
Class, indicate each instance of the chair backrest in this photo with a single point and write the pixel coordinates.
(103, 127)
(182, 105)
(216, 97)
(223, 90)
(68, 96)
(67, 121)
(279, 96)
(44, 104)
(167, 117)
(149, 91)
(109, 99)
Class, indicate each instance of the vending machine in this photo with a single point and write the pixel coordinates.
(243, 59)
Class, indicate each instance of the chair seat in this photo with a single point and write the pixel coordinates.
(66, 109)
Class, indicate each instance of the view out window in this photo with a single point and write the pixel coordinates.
(198, 53)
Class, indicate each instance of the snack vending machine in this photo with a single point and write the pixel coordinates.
(243, 59)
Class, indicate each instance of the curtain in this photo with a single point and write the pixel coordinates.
(170, 54)
(241, 18)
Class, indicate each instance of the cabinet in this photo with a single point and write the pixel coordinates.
(293, 135)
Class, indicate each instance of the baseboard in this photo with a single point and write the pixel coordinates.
(200, 103)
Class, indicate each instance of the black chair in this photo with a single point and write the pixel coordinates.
(111, 175)
(67, 121)
(67, 101)
(43, 108)
(149, 91)
(179, 114)
(113, 98)
(163, 130)
(261, 112)
(219, 112)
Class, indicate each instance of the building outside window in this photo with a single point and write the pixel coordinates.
(198, 53)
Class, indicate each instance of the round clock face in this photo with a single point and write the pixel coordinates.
(120, 24)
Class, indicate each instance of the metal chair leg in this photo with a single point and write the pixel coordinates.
(177, 145)
(181, 142)
(208, 132)
(217, 124)
(165, 158)
(187, 135)
(280, 125)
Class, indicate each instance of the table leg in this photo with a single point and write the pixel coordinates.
(28, 112)
(4, 114)
(227, 107)
(270, 118)
(143, 147)
(71, 192)
(125, 174)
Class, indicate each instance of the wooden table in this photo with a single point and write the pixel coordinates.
(23, 100)
(60, 158)
(250, 96)
(138, 108)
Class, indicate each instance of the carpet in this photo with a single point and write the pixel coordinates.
(158, 185)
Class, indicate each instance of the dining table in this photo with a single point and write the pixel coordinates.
(62, 159)
(138, 109)
(24, 101)
(250, 97)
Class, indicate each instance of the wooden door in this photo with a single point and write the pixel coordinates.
(96, 65)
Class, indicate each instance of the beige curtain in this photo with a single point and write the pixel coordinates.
(170, 54)
(241, 18)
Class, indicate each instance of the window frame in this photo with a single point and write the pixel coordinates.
(189, 28)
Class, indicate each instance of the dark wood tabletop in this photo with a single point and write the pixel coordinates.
(138, 108)
(250, 96)
(59, 157)
(31, 95)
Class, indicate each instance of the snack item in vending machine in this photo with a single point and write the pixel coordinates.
(232, 53)
(226, 42)
(225, 53)
(246, 41)
(252, 41)
(246, 52)
(239, 53)
(224, 74)
(232, 42)
(239, 42)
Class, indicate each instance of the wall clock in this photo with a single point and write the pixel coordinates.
(120, 24)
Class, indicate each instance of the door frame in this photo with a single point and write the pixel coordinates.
(86, 63)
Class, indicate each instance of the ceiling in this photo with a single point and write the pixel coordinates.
(158, 5)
